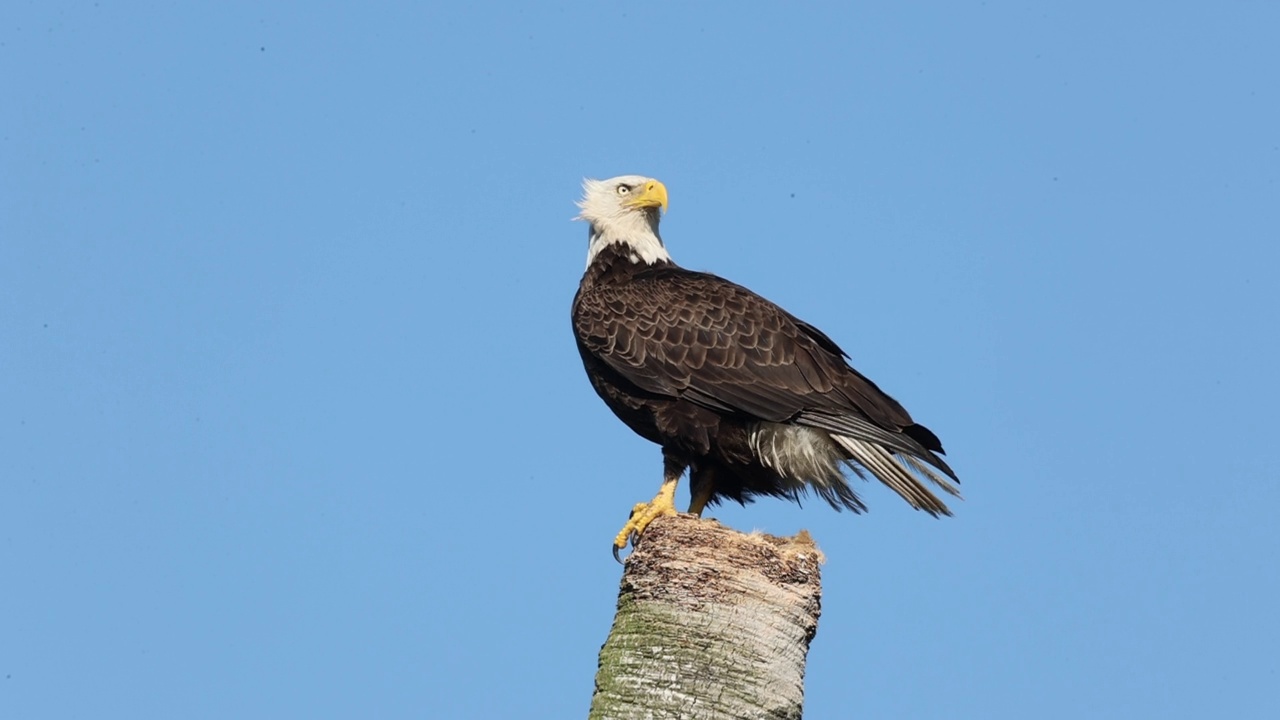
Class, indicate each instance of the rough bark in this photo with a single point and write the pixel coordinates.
(712, 624)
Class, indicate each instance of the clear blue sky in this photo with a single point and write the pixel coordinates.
(292, 423)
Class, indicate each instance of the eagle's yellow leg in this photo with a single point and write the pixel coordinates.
(664, 503)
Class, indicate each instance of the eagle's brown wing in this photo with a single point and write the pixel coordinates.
(702, 338)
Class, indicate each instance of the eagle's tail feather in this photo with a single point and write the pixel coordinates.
(915, 464)
(856, 428)
(804, 458)
(895, 470)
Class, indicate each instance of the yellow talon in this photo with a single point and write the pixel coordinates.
(664, 503)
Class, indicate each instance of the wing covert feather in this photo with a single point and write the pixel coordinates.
(700, 337)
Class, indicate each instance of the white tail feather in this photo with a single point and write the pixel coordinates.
(895, 470)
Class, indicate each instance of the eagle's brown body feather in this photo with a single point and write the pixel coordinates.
(708, 369)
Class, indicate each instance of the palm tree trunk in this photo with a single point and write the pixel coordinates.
(711, 624)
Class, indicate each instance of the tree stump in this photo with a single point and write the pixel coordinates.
(711, 624)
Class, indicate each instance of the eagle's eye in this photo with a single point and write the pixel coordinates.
(624, 189)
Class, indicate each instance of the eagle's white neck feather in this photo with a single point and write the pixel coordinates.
(643, 246)
(612, 223)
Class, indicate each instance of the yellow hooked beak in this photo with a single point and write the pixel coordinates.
(653, 194)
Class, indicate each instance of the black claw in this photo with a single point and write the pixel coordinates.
(633, 537)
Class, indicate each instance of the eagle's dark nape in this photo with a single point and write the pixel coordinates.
(750, 399)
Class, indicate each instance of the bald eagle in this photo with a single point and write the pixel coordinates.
(747, 397)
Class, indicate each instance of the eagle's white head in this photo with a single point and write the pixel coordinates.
(625, 210)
